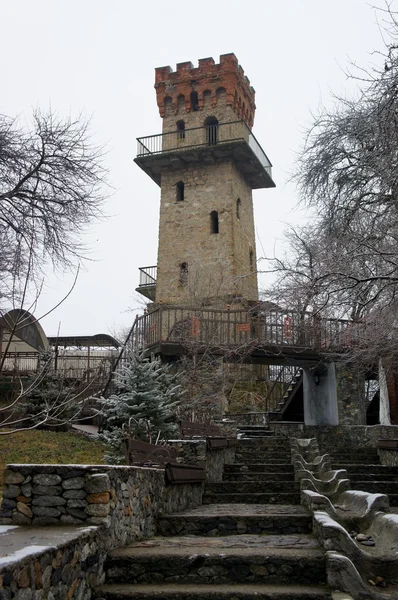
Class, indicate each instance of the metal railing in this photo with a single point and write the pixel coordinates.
(148, 275)
(210, 135)
(280, 382)
(74, 365)
(238, 329)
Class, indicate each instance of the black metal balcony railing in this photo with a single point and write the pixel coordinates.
(148, 276)
(195, 137)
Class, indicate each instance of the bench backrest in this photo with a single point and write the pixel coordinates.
(149, 455)
(189, 429)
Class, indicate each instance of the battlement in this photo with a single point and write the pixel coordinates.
(188, 87)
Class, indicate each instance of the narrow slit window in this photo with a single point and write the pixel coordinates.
(180, 191)
(238, 205)
(181, 130)
(184, 273)
(214, 228)
(194, 101)
(251, 260)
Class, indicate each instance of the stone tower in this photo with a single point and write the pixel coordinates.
(206, 162)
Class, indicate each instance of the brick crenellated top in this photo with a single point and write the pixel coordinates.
(226, 76)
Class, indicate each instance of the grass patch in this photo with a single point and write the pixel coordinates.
(48, 447)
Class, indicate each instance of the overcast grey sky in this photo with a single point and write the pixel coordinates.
(98, 56)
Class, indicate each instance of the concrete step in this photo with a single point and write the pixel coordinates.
(375, 487)
(272, 441)
(354, 475)
(211, 592)
(236, 519)
(253, 487)
(268, 559)
(261, 459)
(378, 469)
(261, 467)
(258, 476)
(258, 498)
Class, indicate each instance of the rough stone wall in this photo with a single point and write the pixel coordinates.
(218, 263)
(195, 452)
(350, 395)
(388, 458)
(125, 500)
(121, 504)
(67, 572)
(338, 437)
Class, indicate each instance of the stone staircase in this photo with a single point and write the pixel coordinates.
(366, 472)
(249, 540)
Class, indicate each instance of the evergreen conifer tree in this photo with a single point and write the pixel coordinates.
(144, 406)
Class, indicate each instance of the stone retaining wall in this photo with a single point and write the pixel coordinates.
(195, 452)
(121, 504)
(338, 437)
(68, 571)
(125, 500)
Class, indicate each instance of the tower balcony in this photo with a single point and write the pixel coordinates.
(147, 285)
(209, 144)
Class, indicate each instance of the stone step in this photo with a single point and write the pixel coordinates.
(267, 559)
(258, 476)
(253, 487)
(236, 519)
(259, 498)
(211, 592)
(263, 459)
(360, 468)
(354, 475)
(375, 487)
(272, 441)
(269, 467)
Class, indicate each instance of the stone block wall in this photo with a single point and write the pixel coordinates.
(339, 437)
(68, 571)
(125, 500)
(195, 452)
(113, 506)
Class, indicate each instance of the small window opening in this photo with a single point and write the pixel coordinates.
(180, 191)
(194, 101)
(183, 273)
(251, 260)
(211, 124)
(238, 205)
(214, 228)
(180, 130)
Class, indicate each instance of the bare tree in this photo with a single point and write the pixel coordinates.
(345, 263)
(51, 187)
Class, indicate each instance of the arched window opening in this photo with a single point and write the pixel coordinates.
(181, 130)
(168, 102)
(180, 191)
(221, 94)
(238, 205)
(251, 260)
(180, 103)
(214, 228)
(206, 99)
(184, 273)
(194, 101)
(211, 124)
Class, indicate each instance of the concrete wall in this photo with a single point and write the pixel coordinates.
(320, 398)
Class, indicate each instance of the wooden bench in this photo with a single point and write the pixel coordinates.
(212, 434)
(142, 454)
(387, 444)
